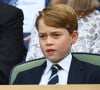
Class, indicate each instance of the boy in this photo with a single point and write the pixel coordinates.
(57, 29)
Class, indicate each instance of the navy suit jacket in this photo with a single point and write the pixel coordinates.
(79, 73)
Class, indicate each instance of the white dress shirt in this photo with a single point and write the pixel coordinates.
(62, 74)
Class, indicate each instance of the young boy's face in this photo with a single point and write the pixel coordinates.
(55, 42)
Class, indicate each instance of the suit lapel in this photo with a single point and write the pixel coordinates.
(76, 72)
(36, 73)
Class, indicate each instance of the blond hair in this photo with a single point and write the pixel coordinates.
(83, 5)
(59, 16)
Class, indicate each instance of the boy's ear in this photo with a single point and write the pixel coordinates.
(74, 36)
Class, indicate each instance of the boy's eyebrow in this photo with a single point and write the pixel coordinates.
(41, 32)
(50, 32)
(53, 32)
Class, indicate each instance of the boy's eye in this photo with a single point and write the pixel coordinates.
(42, 36)
(56, 34)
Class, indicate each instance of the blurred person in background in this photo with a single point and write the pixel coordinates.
(88, 25)
(5, 1)
(51, 2)
(12, 50)
(98, 8)
(30, 9)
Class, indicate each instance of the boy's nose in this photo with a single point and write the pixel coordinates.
(49, 41)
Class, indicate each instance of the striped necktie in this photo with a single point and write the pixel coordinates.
(53, 79)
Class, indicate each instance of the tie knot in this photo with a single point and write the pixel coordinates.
(55, 68)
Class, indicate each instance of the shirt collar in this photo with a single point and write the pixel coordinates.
(65, 63)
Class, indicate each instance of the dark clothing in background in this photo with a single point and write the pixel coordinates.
(5, 1)
(47, 2)
(12, 48)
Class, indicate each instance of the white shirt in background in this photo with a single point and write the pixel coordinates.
(30, 9)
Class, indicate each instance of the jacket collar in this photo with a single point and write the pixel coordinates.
(76, 72)
(38, 73)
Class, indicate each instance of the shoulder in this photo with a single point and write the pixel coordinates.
(30, 68)
(32, 65)
(87, 65)
(10, 13)
(8, 8)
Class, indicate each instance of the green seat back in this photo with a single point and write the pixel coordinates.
(86, 57)
(24, 66)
